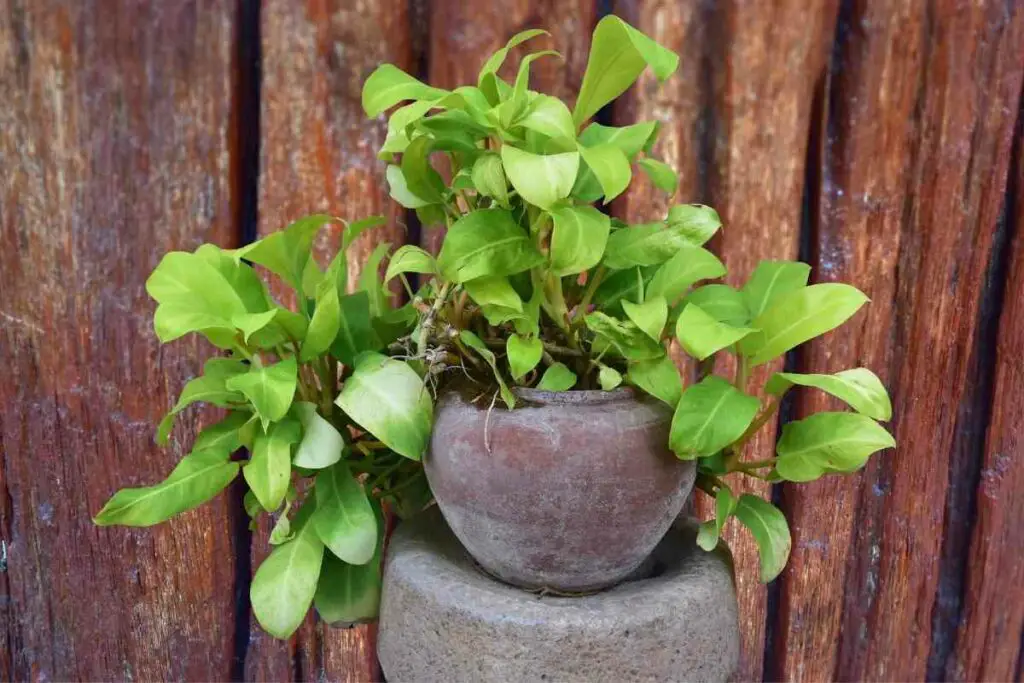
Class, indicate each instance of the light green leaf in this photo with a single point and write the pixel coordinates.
(516, 105)
(355, 329)
(370, 281)
(649, 316)
(710, 415)
(420, 177)
(399, 189)
(828, 443)
(388, 85)
(659, 377)
(548, 116)
(711, 531)
(323, 327)
(477, 344)
(495, 61)
(643, 245)
(283, 587)
(771, 533)
(223, 435)
(799, 316)
(286, 252)
(410, 259)
(268, 471)
(250, 323)
(210, 387)
(608, 377)
(282, 531)
(199, 476)
(486, 242)
(558, 377)
(618, 55)
(540, 179)
(578, 239)
(321, 444)
(270, 388)
(348, 593)
(630, 139)
(387, 398)
(622, 284)
(523, 354)
(696, 222)
(661, 174)
(242, 277)
(611, 168)
(494, 291)
(701, 335)
(357, 228)
(344, 519)
(681, 271)
(771, 281)
(859, 388)
(489, 178)
(721, 302)
(626, 338)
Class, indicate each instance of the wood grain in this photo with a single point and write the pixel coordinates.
(318, 153)
(988, 643)
(114, 148)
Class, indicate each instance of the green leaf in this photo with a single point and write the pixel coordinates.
(387, 398)
(523, 354)
(486, 242)
(344, 519)
(721, 302)
(578, 239)
(355, 329)
(323, 326)
(661, 174)
(210, 387)
(357, 228)
(548, 116)
(608, 377)
(321, 445)
(516, 105)
(626, 338)
(630, 139)
(618, 55)
(696, 222)
(649, 316)
(250, 323)
(611, 168)
(420, 177)
(410, 259)
(701, 335)
(489, 178)
(199, 476)
(710, 531)
(475, 343)
(495, 61)
(282, 531)
(270, 388)
(388, 85)
(771, 281)
(799, 316)
(622, 284)
(643, 245)
(268, 471)
(494, 291)
(348, 593)
(859, 388)
(285, 253)
(370, 282)
(252, 505)
(399, 189)
(659, 377)
(241, 277)
(771, 533)
(828, 443)
(223, 435)
(283, 587)
(710, 415)
(558, 377)
(681, 271)
(540, 179)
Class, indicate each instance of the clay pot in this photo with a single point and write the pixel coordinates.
(570, 491)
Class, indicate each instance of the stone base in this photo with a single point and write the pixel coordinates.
(442, 619)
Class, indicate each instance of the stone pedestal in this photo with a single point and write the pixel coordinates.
(444, 620)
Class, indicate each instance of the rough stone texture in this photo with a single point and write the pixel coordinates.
(571, 490)
(442, 619)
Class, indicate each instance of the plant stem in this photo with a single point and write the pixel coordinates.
(588, 293)
(761, 420)
(427, 326)
(553, 349)
(742, 370)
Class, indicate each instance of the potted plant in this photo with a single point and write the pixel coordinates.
(565, 440)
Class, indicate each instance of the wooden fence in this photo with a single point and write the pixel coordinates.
(880, 141)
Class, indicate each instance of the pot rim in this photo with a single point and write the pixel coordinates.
(587, 397)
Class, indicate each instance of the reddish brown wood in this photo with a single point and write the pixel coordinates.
(115, 144)
(318, 154)
(988, 643)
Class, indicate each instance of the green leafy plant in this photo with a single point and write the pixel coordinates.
(322, 426)
(535, 286)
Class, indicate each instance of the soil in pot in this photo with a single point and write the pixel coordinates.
(571, 491)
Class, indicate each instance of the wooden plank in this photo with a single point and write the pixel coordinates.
(115, 149)
(988, 646)
(913, 179)
(318, 153)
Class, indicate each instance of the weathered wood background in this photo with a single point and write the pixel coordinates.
(880, 141)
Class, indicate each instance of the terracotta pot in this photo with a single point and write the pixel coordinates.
(570, 491)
